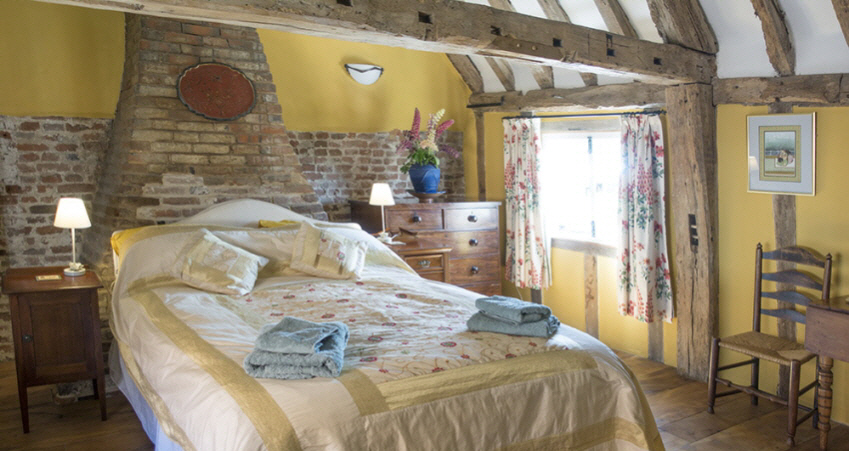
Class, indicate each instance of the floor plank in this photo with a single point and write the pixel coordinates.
(679, 406)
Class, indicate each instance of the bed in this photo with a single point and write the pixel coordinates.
(414, 377)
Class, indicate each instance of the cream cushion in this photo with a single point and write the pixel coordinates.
(211, 264)
(325, 253)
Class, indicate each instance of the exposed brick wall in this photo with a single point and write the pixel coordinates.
(342, 166)
(41, 160)
(165, 162)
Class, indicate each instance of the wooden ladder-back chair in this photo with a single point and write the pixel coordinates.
(774, 349)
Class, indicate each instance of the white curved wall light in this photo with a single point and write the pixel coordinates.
(364, 74)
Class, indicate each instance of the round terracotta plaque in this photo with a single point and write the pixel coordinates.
(216, 91)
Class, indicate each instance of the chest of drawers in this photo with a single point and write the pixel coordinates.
(470, 229)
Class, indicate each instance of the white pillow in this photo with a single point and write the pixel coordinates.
(325, 253)
(213, 265)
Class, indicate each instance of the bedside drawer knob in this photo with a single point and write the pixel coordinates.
(474, 270)
(473, 218)
(424, 263)
(27, 338)
(417, 218)
(473, 242)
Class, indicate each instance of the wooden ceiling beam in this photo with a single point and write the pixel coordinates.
(683, 22)
(841, 9)
(468, 71)
(627, 95)
(779, 46)
(554, 11)
(822, 89)
(504, 72)
(615, 18)
(543, 75)
(443, 27)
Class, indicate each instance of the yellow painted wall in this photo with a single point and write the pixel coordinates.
(316, 92)
(59, 60)
(746, 218)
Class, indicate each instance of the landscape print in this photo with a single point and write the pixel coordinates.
(779, 152)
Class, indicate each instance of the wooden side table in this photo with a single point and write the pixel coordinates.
(429, 259)
(827, 334)
(56, 330)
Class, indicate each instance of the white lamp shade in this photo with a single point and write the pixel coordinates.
(381, 194)
(71, 214)
(364, 74)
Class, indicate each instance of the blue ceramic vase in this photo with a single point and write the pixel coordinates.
(425, 178)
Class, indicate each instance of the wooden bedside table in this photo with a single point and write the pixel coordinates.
(56, 328)
(429, 259)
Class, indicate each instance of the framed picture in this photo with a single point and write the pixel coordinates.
(782, 154)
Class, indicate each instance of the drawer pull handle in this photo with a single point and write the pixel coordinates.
(424, 263)
(474, 270)
(473, 242)
(473, 218)
(27, 338)
(417, 218)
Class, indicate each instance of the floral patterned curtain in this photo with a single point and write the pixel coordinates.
(643, 267)
(527, 255)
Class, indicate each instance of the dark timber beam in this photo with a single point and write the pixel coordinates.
(614, 17)
(841, 9)
(468, 72)
(824, 89)
(779, 45)
(444, 27)
(683, 22)
(588, 98)
(694, 199)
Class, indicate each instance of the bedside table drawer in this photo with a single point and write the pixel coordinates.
(469, 243)
(421, 263)
(414, 219)
(473, 270)
(471, 218)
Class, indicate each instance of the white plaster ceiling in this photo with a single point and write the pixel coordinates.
(818, 41)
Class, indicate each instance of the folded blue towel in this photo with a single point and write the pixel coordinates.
(295, 335)
(324, 358)
(512, 309)
(481, 322)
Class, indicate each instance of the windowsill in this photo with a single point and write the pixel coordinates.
(586, 247)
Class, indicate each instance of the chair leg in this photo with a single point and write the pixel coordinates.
(815, 418)
(714, 365)
(793, 402)
(756, 365)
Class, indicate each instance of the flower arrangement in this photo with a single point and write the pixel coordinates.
(423, 151)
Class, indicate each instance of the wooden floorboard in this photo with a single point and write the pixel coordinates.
(679, 407)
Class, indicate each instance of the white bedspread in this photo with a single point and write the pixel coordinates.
(414, 377)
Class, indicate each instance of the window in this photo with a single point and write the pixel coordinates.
(579, 174)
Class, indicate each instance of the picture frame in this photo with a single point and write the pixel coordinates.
(782, 154)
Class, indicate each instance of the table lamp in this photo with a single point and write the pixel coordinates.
(71, 214)
(381, 194)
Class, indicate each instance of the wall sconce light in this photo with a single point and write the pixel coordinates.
(364, 74)
(71, 214)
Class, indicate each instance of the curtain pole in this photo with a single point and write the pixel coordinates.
(555, 116)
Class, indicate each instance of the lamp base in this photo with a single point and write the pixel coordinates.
(74, 269)
(386, 238)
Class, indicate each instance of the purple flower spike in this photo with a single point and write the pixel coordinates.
(444, 126)
(414, 129)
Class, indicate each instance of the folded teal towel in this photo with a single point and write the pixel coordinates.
(481, 322)
(295, 335)
(512, 309)
(324, 357)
